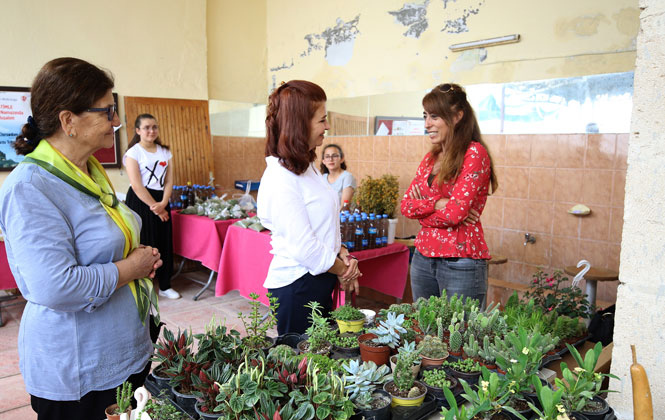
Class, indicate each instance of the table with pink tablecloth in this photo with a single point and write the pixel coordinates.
(199, 238)
(246, 258)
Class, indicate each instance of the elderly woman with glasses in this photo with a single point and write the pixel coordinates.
(447, 196)
(74, 250)
(333, 170)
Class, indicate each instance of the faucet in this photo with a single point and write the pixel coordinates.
(529, 238)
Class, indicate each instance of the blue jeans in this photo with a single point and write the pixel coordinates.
(464, 276)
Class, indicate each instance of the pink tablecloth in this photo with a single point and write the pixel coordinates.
(246, 257)
(6, 277)
(199, 238)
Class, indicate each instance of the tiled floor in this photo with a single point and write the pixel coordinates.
(182, 313)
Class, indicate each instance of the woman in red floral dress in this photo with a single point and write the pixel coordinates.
(447, 196)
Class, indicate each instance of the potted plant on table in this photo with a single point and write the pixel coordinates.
(362, 381)
(206, 387)
(166, 352)
(379, 196)
(349, 319)
(318, 333)
(255, 326)
(404, 389)
(123, 402)
(376, 345)
(406, 350)
(490, 397)
(433, 351)
(582, 385)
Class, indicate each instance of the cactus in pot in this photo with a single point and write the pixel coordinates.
(456, 338)
(471, 347)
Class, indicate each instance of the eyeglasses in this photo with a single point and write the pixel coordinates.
(150, 127)
(110, 110)
(330, 157)
(446, 87)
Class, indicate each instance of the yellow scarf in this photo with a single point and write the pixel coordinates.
(98, 185)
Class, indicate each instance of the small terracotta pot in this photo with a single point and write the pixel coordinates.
(430, 361)
(111, 409)
(378, 355)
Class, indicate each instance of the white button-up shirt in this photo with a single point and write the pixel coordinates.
(302, 213)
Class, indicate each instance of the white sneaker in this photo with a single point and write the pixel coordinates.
(169, 293)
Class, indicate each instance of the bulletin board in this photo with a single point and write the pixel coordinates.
(14, 112)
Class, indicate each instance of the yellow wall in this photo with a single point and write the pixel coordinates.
(559, 39)
(154, 48)
(237, 50)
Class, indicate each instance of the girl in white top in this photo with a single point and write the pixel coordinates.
(300, 209)
(148, 164)
(333, 168)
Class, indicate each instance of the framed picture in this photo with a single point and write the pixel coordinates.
(14, 112)
(399, 126)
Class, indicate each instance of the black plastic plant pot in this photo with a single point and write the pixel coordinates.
(160, 382)
(381, 413)
(600, 413)
(347, 352)
(206, 416)
(185, 401)
(470, 377)
(525, 412)
(290, 339)
(437, 392)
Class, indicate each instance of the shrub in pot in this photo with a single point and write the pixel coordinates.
(255, 326)
(349, 319)
(217, 343)
(318, 333)
(490, 397)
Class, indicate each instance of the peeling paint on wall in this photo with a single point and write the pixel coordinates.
(414, 16)
(337, 41)
(582, 25)
(457, 22)
(283, 66)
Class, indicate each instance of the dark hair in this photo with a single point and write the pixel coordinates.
(291, 108)
(137, 124)
(63, 84)
(446, 101)
(324, 168)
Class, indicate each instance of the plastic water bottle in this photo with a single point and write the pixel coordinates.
(358, 234)
(373, 232)
(365, 240)
(384, 230)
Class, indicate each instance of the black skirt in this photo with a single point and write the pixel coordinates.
(155, 233)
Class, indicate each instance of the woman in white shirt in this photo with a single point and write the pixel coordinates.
(333, 168)
(148, 164)
(300, 209)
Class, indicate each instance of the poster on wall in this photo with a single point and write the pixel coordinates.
(14, 112)
(399, 126)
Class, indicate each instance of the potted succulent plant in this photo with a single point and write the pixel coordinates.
(362, 380)
(346, 344)
(123, 402)
(432, 351)
(404, 389)
(467, 369)
(436, 379)
(376, 345)
(349, 319)
(318, 333)
(406, 350)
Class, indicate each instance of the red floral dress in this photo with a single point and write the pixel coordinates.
(443, 234)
